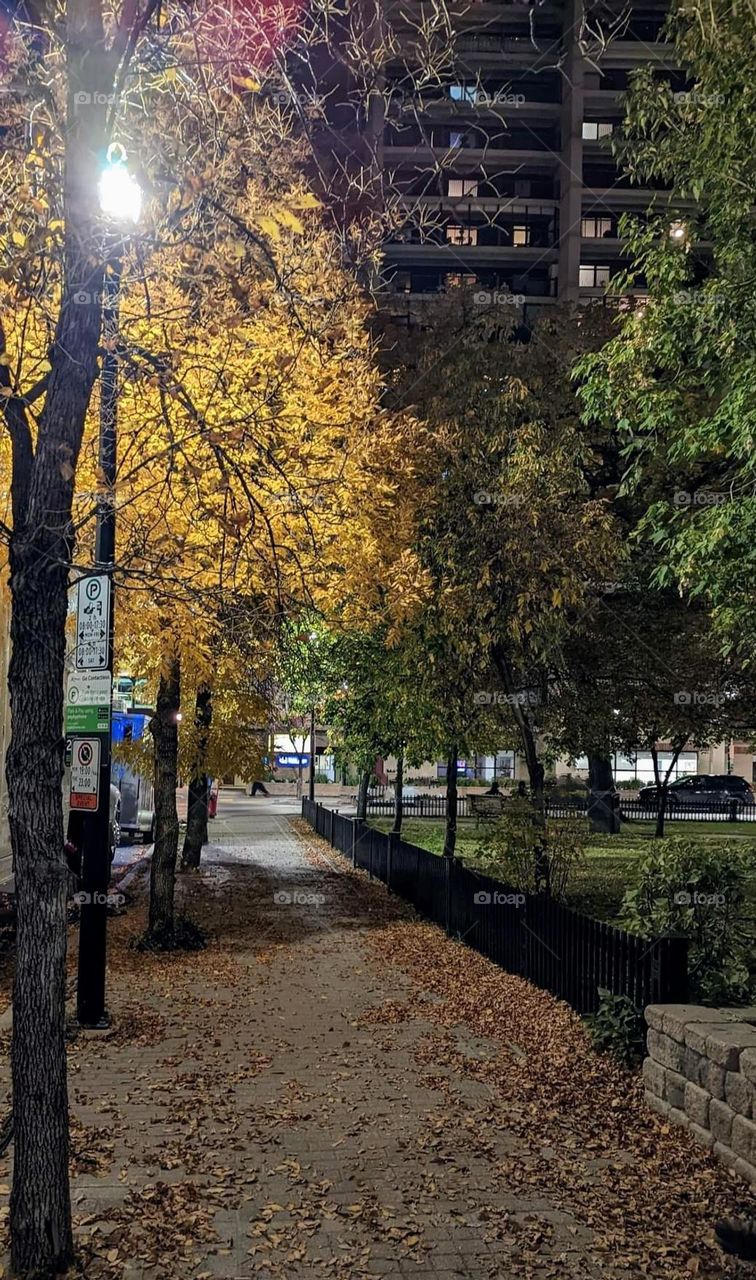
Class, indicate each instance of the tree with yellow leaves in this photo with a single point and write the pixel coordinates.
(227, 290)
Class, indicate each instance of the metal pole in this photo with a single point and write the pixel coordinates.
(312, 754)
(95, 877)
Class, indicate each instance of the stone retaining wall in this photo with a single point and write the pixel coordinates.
(701, 1074)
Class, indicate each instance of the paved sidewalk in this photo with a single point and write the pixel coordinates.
(333, 1089)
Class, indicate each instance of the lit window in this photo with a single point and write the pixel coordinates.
(593, 277)
(456, 279)
(456, 139)
(463, 187)
(462, 92)
(595, 228)
(462, 235)
(595, 129)
(521, 235)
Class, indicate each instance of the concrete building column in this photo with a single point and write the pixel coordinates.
(571, 164)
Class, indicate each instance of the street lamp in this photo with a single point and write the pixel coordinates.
(120, 204)
(119, 192)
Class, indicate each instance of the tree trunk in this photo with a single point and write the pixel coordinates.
(40, 1201)
(40, 556)
(164, 729)
(536, 771)
(661, 795)
(396, 830)
(362, 795)
(450, 836)
(602, 812)
(199, 783)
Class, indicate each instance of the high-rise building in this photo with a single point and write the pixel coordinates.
(499, 164)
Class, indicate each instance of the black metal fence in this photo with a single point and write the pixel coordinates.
(557, 948)
(434, 806)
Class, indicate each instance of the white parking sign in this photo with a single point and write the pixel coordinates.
(92, 623)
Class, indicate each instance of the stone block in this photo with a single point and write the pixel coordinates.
(748, 1064)
(720, 1120)
(665, 1050)
(739, 1093)
(701, 1135)
(712, 1078)
(743, 1141)
(692, 1063)
(741, 1015)
(678, 1117)
(675, 1018)
(724, 1044)
(654, 1015)
(725, 1155)
(658, 1105)
(697, 1104)
(674, 1088)
(746, 1170)
(696, 1033)
(653, 1076)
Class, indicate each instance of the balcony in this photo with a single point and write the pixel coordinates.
(463, 207)
(637, 53)
(473, 160)
(461, 257)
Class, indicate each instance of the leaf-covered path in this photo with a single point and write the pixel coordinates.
(334, 1089)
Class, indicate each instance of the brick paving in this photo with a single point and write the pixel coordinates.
(278, 1105)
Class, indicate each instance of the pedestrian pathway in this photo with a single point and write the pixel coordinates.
(334, 1089)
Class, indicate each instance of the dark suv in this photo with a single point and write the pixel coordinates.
(704, 791)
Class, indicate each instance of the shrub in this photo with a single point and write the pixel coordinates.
(699, 890)
(617, 1028)
(508, 849)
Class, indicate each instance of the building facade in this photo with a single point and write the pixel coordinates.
(502, 169)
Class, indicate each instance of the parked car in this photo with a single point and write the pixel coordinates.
(703, 791)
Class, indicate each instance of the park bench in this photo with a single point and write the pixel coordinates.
(486, 808)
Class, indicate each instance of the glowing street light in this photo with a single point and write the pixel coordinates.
(119, 191)
(677, 231)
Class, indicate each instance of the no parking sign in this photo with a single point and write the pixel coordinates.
(85, 773)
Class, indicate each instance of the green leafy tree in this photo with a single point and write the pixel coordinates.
(678, 380)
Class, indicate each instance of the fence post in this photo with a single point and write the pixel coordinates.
(389, 858)
(448, 861)
(355, 824)
(330, 827)
(370, 858)
(674, 976)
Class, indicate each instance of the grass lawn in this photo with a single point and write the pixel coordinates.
(599, 886)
